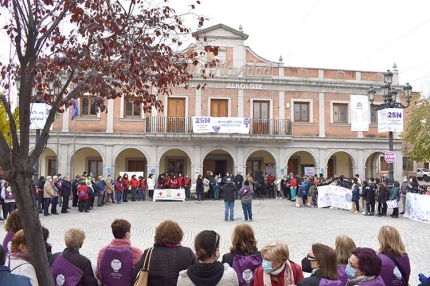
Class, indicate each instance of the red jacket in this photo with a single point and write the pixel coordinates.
(85, 189)
(271, 179)
(180, 182)
(173, 183)
(134, 183)
(297, 273)
(143, 184)
(293, 183)
(118, 186)
(125, 183)
(167, 181)
(187, 182)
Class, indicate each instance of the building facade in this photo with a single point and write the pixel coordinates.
(299, 122)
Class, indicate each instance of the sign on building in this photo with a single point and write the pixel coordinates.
(221, 125)
(390, 120)
(359, 113)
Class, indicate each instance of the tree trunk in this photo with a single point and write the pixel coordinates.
(21, 181)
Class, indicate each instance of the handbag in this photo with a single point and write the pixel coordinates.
(142, 277)
(398, 267)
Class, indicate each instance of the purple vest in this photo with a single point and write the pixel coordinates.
(7, 240)
(65, 273)
(342, 274)
(378, 281)
(116, 267)
(389, 272)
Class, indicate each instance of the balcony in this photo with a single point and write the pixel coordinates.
(181, 128)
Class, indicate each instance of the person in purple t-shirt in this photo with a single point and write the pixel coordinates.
(396, 267)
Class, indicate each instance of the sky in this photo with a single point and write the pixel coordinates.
(366, 35)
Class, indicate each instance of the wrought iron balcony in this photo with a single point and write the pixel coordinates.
(258, 128)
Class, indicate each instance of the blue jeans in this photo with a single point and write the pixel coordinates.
(133, 194)
(141, 195)
(247, 211)
(118, 197)
(187, 193)
(200, 195)
(229, 206)
(124, 195)
(216, 192)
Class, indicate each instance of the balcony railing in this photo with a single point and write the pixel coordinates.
(184, 125)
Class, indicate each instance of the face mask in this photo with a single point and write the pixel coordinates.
(267, 266)
(306, 265)
(350, 272)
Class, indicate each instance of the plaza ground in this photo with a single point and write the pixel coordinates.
(273, 220)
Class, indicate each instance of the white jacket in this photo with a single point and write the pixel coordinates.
(24, 268)
(229, 278)
(150, 183)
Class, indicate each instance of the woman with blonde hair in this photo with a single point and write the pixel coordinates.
(396, 267)
(244, 256)
(19, 260)
(321, 261)
(343, 247)
(276, 268)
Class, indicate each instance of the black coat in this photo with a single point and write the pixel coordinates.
(80, 262)
(166, 262)
(66, 188)
(199, 185)
(228, 190)
(384, 194)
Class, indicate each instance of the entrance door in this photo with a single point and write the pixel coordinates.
(293, 166)
(176, 166)
(136, 166)
(252, 166)
(208, 165)
(95, 166)
(176, 115)
(261, 116)
(330, 168)
(219, 107)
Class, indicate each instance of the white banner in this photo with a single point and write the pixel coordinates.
(169, 194)
(334, 196)
(360, 113)
(38, 114)
(309, 171)
(418, 207)
(390, 119)
(221, 125)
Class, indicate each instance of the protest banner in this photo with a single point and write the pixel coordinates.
(418, 207)
(334, 196)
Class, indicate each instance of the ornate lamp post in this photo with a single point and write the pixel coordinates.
(390, 101)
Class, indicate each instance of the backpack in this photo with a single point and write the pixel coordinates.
(304, 189)
(245, 266)
(60, 184)
(81, 194)
(116, 267)
(65, 273)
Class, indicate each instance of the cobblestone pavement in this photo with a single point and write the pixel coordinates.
(273, 220)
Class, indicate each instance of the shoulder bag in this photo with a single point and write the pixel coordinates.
(399, 267)
(142, 277)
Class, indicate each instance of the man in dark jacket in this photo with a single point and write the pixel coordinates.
(370, 193)
(229, 190)
(238, 181)
(384, 193)
(66, 191)
(75, 184)
(39, 198)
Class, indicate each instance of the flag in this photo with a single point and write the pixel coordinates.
(75, 109)
(360, 113)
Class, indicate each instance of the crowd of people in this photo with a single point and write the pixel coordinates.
(167, 262)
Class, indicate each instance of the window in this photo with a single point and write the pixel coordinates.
(383, 165)
(52, 166)
(408, 164)
(176, 166)
(261, 117)
(95, 166)
(340, 113)
(373, 114)
(131, 109)
(88, 104)
(301, 111)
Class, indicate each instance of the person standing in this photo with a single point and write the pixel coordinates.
(125, 187)
(109, 190)
(355, 196)
(271, 185)
(142, 189)
(151, 185)
(383, 195)
(216, 188)
(134, 184)
(180, 181)
(404, 189)
(238, 181)
(8, 199)
(229, 191)
(199, 188)
(119, 187)
(84, 197)
(246, 199)
(395, 195)
(187, 186)
(48, 193)
(75, 185)
(66, 190)
(101, 189)
(54, 200)
(293, 188)
(39, 197)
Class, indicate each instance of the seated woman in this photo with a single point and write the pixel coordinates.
(343, 247)
(277, 269)
(19, 258)
(70, 263)
(13, 224)
(364, 267)
(396, 267)
(244, 256)
(321, 261)
(208, 270)
(168, 256)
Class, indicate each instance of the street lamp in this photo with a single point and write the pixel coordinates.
(390, 101)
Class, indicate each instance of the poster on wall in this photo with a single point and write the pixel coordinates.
(221, 125)
(270, 169)
(418, 207)
(390, 120)
(334, 196)
(360, 113)
(309, 171)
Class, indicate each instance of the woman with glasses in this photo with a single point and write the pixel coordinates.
(396, 267)
(208, 271)
(168, 256)
(343, 247)
(364, 267)
(276, 268)
(321, 262)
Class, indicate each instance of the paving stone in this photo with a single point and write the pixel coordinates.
(272, 220)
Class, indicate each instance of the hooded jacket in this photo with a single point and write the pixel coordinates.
(208, 274)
